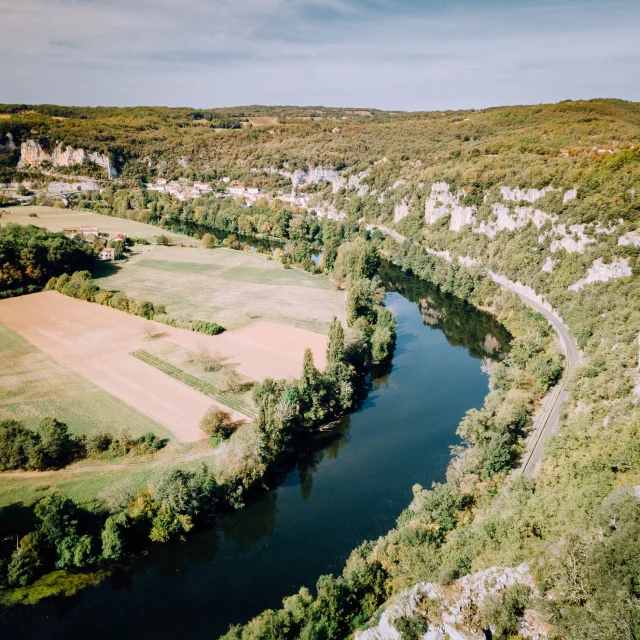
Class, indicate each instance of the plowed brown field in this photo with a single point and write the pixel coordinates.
(96, 342)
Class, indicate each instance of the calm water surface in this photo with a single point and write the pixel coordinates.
(352, 488)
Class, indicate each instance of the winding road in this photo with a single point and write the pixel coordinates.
(545, 422)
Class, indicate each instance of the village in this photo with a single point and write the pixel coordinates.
(251, 195)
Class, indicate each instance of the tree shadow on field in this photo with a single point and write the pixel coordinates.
(106, 268)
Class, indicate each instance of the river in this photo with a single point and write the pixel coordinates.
(350, 488)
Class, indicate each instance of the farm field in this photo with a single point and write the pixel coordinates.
(232, 288)
(96, 343)
(34, 386)
(54, 219)
(263, 121)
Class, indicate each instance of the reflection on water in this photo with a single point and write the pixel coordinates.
(349, 486)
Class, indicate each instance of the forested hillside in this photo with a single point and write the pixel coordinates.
(546, 195)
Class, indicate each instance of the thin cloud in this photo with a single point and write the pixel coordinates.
(400, 55)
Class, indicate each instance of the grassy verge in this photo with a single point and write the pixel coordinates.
(57, 583)
(196, 383)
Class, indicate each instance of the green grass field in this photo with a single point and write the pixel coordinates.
(54, 219)
(87, 487)
(225, 286)
(34, 386)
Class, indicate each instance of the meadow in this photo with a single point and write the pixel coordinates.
(54, 219)
(229, 287)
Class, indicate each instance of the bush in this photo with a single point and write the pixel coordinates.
(501, 613)
(207, 361)
(209, 241)
(217, 422)
(163, 240)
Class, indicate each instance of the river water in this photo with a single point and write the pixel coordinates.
(350, 488)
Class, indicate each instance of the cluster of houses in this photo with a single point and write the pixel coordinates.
(250, 194)
(178, 190)
(90, 233)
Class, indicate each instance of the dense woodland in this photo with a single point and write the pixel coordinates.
(577, 522)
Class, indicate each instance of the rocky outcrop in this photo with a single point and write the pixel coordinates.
(505, 219)
(33, 155)
(401, 210)
(314, 175)
(572, 194)
(467, 261)
(441, 202)
(9, 145)
(631, 239)
(548, 265)
(530, 195)
(454, 609)
(601, 272)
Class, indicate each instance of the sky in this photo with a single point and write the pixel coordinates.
(385, 54)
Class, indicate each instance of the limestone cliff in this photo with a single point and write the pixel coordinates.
(453, 611)
(401, 210)
(32, 155)
(599, 271)
(441, 202)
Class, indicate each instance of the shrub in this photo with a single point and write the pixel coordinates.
(209, 241)
(163, 240)
(217, 422)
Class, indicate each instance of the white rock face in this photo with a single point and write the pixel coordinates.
(459, 604)
(505, 219)
(441, 202)
(572, 194)
(574, 239)
(314, 175)
(630, 239)
(548, 265)
(401, 210)
(530, 195)
(601, 272)
(446, 255)
(355, 182)
(460, 216)
(330, 212)
(398, 183)
(33, 155)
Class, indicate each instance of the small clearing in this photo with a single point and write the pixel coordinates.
(263, 121)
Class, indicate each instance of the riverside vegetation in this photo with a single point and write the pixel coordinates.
(576, 522)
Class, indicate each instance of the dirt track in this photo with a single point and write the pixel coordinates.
(95, 342)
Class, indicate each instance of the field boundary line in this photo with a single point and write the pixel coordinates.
(195, 383)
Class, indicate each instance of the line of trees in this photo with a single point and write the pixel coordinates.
(52, 446)
(81, 285)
